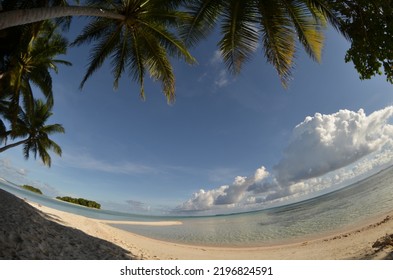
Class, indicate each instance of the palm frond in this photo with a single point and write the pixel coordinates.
(202, 20)
(53, 146)
(169, 41)
(137, 61)
(307, 27)
(102, 50)
(93, 31)
(278, 38)
(240, 39)
(52, 128)
(120, 56)
(159, 65)
(41, 77)
(28, 98)
(323, 7)
(29, 147)
(3, 132)
(42, 148)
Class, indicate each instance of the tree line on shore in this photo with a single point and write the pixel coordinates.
(80, 201)
(31, 188)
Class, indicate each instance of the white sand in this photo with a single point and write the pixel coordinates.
(354, 244)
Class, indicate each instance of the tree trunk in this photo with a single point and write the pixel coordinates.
(2, 149)
(20, 17)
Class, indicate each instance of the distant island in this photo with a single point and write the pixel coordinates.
(80, 201)
(31, 188)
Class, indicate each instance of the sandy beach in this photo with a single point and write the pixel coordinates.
(32, 231)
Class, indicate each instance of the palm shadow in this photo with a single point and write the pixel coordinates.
(27, 233)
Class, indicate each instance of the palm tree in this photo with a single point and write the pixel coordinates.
(141, 42)
(245, 24)
(136, 34)
(32, 126)
(30, 12)
(30, 4)
(31, 59)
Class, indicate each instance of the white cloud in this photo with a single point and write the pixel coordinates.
(325, 152)
(10, 172)
(324, 143)
(220, 74)
(217, 58)
(224, 195)
(18, 176)
(222, 79)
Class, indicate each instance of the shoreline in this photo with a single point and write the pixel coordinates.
(351, 243)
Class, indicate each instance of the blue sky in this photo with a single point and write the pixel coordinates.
(227, 144)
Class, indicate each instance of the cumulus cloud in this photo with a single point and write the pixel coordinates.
(324, 152)
(324, 143)
(224, 195)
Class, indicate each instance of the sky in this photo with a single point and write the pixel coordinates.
(228, 143)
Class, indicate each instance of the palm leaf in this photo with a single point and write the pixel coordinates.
(172, 45)
(41, 77)
(53, 128)
(53, 146)
(240, 39)
(307, 28)
(203, 17)
(319, 7)
(137, 61)
(159, 65)
(102, 50)
(42, 147)
(278, 38)
(93, 31)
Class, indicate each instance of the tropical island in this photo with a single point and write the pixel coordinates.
(80, 201)
(31, 188)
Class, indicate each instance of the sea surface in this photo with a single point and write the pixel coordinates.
(329, 213)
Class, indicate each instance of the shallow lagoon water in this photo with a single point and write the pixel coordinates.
(331, 212)
(328, 213)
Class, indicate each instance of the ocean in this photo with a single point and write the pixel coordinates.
(328, 213)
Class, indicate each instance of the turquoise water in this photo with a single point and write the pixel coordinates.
(331, 212)
(347, 207)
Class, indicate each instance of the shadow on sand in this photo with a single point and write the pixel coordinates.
(27, 233)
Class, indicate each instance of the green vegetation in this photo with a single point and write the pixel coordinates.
(369, 28)
(32, 189)
(140, 36)
(80, 201)
(31, 125)
(27, 57)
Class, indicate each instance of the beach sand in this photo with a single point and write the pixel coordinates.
(32, 231)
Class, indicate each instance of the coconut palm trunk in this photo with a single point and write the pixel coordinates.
(19, 17)
(5, 148)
